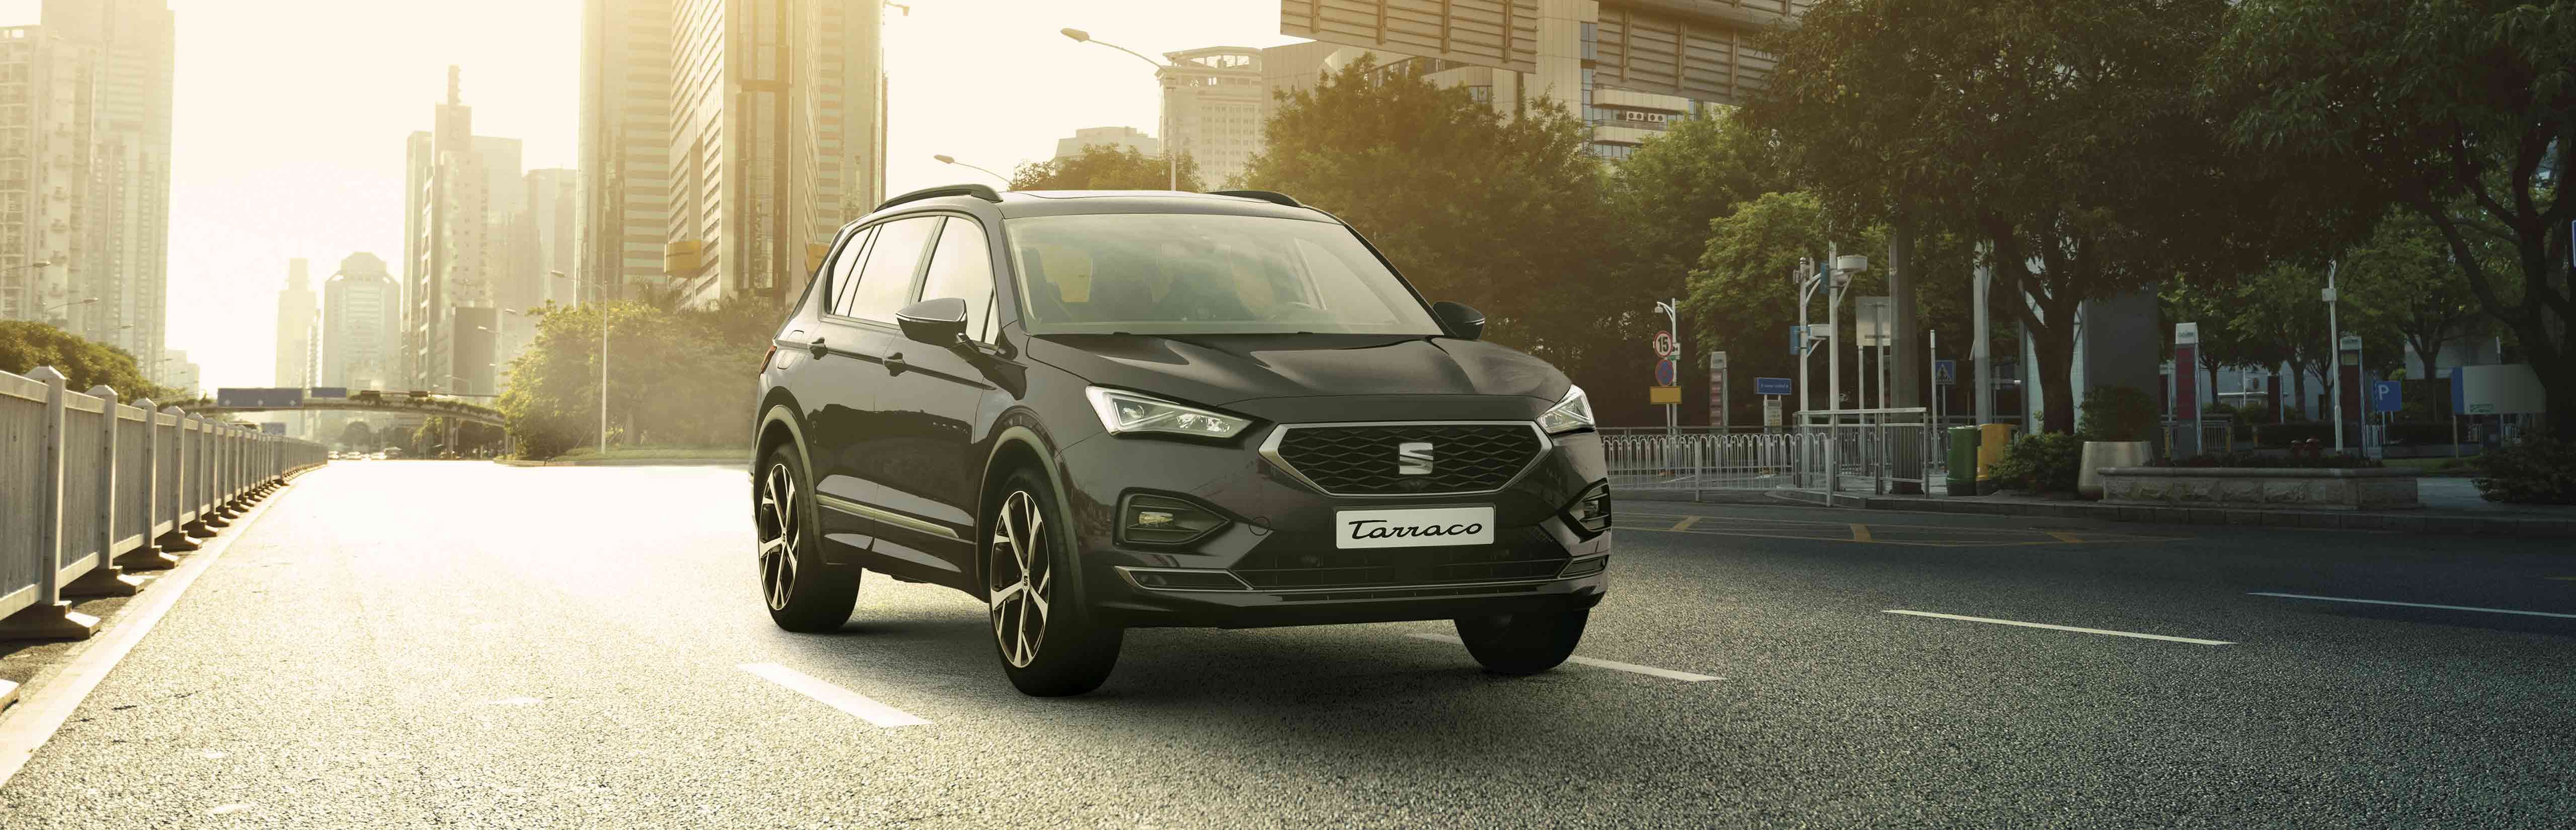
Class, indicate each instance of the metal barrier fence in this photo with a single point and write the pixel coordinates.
(1868, 451)
(91, 487)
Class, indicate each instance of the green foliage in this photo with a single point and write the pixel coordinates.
(2447, 107)
(675, 377)
(358, 436)
(1503, 214)
(2400, 286)
(2046, 462)
(1106, 167)
(87, 364)
(2118, 413)
(2529, 470)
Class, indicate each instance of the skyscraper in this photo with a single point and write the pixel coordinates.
(122, 253)
(1214, 102)
(297, 322)
(361, 325)
(44, 87)
(541, 246)
(464, 191)
(774, 109)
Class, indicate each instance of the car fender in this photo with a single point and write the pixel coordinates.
(1019, 428)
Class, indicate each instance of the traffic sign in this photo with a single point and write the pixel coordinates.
(1771, 410)
(2385, 396)
(1664, 345)
(1797, 340)
(1663, 395)
(1945, 372)
(1667, 374)
(329, 392)
(1772, 386)
(259, 397)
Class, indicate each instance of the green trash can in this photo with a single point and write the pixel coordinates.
(1963, 460)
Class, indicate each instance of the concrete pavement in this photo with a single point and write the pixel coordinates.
(464, 644)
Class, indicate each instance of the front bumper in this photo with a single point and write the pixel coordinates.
(1275, 562)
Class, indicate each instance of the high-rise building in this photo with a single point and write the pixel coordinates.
(122, 254)
(1213, 105)
(1128, 138)
(542, 258)
(775, 111)
(361, 326)
(297, 323)
(464, 191)
(44, 118)
(176, 371)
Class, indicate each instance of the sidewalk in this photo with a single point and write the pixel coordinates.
(2451, 505)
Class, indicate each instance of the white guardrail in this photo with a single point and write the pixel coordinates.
(90, 487)
(1869, 450)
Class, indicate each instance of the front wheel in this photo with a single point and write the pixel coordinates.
(1049, 643)
(802, 594)
(1526, 642)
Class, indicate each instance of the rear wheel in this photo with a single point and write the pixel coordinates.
(1526, 642)
(1049, 643)
(802, 594)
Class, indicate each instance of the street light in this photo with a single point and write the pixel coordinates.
(1006, 180)
(1171, 143)
(52, 309)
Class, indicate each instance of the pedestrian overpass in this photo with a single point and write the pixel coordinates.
(318, 399)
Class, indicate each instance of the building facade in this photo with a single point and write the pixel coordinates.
(1214, 101)
(176, 371)
(122, 254)
(775, 114)
(44, 152)
(464, 192)
(361, 326)
(298, 335)
(1127, 138)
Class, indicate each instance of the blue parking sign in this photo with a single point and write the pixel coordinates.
(2384, 396)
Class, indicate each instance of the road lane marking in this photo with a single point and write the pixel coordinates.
(2561, 578)
(1860, 533)
(2192, 640)
(1595, 662)
(836, 697)
(2416, 605)
(1687, 521)
(2063, 536)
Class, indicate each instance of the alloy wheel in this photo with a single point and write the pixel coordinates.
(1021, 578)
(779, 533)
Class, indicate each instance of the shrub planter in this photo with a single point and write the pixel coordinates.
(2100, 454)
(2309, 489)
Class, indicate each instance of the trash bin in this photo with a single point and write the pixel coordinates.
(1965, 447)
(1990, 449)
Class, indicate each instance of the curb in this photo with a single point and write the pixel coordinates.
(628, 462)
(2417, 522)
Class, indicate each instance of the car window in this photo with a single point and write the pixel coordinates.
(962, 267)
(1205, 274)
(885, 280)
(844, 270)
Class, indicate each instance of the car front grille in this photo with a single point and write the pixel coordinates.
(1361, 459)
(1289, 561)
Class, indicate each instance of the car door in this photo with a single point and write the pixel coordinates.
(930, 403)
(848, 376)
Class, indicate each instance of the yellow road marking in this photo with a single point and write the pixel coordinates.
(2063, 536)
(2561, 578)
(1860, 533)
(1685, 523)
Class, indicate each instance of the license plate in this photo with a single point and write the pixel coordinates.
(1418, 527)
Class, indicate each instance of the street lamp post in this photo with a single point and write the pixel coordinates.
(2334, 356)
(944, 159)
(1171, 143)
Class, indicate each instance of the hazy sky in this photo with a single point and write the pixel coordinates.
(291, 115)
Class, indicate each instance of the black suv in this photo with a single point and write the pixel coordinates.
(1099, 410)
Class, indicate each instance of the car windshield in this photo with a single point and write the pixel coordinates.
(1164, 273)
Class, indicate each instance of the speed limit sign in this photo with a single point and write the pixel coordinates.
(1664, 345)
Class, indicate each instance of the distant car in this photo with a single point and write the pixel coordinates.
(391, 452)
(379, 455)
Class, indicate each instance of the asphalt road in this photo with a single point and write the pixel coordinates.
(400, 644)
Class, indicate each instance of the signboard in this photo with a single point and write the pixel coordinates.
(1945, 372)
(1717, 388)
(1664, 395)
(327, 393)
(2186, 383)
(2349, 343)
(2186, 334)
(1667, 374)
(2384, 396)
(1797, 340)
(1772, 386)
(1771, 411)
(1664, 345)
(259, 398)
(1870, 321)
(2510, 389)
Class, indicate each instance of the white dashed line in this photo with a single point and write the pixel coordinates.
(1667, 674)
(2416, 605)
(2192, 640)
(834, 696)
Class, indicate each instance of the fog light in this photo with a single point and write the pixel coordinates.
(1162, 520)
(1591, 511)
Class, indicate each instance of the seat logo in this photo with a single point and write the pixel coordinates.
(1413, 458)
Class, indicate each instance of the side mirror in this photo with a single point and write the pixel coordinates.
(1461, 321)
(940, 322)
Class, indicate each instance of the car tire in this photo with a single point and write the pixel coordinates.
(1049, 642)
(802, 593)
(1525, 642)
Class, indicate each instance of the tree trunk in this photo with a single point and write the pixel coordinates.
(2213, 392)
(2299, 390)
(2053, 347)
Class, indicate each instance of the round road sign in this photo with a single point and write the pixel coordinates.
(1666, 374)
(1664, 345)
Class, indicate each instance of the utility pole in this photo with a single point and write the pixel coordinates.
(2334, 356)
(1978, 348)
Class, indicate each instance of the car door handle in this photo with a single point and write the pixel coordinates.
(894, 364)
(818, 348)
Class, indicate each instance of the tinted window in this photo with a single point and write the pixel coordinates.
(844, 270)
(885, 282)
(962, 267)
(1205, 274)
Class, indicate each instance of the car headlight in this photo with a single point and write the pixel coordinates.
(1568, 415)
(1122, 411)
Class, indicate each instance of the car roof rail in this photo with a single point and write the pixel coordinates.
(1264, 195)
(984, 192)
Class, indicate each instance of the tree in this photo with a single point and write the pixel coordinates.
(1503, 213)
(358, 435)
(2401, 282)
(87, 364)
(1106, 167)
(2065, 135)
(2463, 110)
(679, 378)
(2285, 323)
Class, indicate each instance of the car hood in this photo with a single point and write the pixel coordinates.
(1218, 370)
